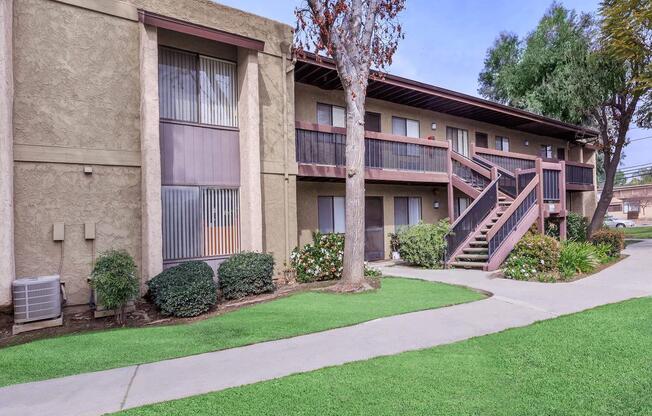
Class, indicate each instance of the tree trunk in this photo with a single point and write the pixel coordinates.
(353, 278)
(610, 168)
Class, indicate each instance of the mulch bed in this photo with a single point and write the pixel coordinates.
(80, 319)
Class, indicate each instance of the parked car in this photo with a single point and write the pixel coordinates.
(613, 222)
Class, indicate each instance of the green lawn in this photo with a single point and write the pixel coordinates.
(294, 315)
(597, 362)
(638, 232)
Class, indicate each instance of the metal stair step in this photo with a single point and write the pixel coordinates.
(467, 264)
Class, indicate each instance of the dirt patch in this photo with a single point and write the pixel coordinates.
(78, 320)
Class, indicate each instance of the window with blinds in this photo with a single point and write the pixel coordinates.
(407, 211)
(200, 222)
(196, 88)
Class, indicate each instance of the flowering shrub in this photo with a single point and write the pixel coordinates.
(534, 255)
(319, 260)
(322, 259)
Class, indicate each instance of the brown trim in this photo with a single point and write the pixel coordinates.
(75, 155)
(506, 247)
(578, 187)
(583, 165)
(551, 165)
(324, 171)
(194, 124)
(193, 29)
(390, 79)
(465, 187)
(513, 155)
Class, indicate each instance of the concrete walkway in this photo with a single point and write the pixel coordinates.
(514, 304)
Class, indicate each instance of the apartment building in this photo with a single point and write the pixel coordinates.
(185, 130)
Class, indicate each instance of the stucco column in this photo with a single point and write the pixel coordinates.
(152, 232)
(251, 215)
(7, 265)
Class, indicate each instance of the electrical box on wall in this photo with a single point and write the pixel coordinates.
(58, 231)
(89, 231)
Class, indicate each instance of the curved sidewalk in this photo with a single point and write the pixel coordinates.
(514, 304)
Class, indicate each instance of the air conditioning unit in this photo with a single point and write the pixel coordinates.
(36, 298)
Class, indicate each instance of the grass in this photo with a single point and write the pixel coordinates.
(294, 315)
(638, 232)
(597, 362)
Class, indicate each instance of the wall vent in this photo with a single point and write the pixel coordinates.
(36, 298)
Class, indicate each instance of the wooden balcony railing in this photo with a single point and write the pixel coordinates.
(579, 176)
(326, 145)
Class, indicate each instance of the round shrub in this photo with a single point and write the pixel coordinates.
(534, 256)
(615, 239)
(185, 290)
(246, 274)
(114, 279)
(319, 260)
(424, 244)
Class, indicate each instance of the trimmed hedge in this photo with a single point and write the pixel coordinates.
(246, 274)
(114, 279)
(424, 244)
(615, 239)
(185, 290)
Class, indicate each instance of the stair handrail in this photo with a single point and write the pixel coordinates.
(468, 162)
(506, 174)
(485, 196)
(507, 214)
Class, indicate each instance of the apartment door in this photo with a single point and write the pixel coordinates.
(374, 246)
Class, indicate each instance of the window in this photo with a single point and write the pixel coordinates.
(331, 115)
(561, 153)
(330, 210)
(481, 140)
(405, 127)
(461, 204)
(546, 151)
(372, 121)
(502, 143)
(197, 88)
(200, 222)
(615, 208)
(407, 211)
(459, 138)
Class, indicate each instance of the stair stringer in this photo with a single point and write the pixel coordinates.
(508, 245)
(472, 235)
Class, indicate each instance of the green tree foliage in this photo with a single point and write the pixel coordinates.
(583, 70)
(620, 178)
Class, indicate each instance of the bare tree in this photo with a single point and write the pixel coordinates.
(359, 35)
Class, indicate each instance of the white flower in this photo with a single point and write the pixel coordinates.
(543, 262)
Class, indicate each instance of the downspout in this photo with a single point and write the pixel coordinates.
(286, 175)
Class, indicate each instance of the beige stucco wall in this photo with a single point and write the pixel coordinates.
(46, 193)
(308, 192)
(78, 102)
(307, 97)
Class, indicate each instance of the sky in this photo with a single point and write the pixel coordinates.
(446, 42)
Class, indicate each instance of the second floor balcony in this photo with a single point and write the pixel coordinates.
(321, 152)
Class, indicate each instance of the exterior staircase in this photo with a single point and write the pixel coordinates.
(506, 204)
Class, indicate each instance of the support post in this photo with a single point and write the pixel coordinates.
(539, 169)
(563, 213)
(251, 211)
(517, 172)
(150, 149)
(7, 262)
(449, 168)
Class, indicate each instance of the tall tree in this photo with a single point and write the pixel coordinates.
(574, 67)
(360, 35)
